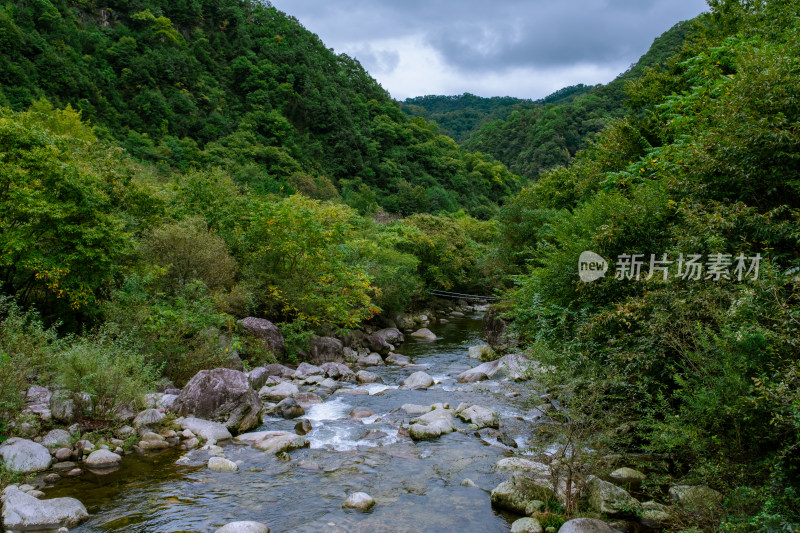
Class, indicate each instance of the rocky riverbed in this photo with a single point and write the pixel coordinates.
(420, 438)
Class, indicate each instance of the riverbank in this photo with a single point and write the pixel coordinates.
(435, 454)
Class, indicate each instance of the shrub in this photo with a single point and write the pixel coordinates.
(189, 251)
(111, 371)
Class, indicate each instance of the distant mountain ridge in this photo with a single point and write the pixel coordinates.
(530, 136)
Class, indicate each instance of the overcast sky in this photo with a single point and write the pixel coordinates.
(522, 48)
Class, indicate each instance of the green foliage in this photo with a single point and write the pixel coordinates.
(26, 347)
(111, 370)
(704, 373)
(300, 263)
(190, 252)
(180, 333)
(60, 235)
(458, 116)
(234, 84)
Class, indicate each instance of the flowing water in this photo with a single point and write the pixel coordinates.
(417, 485)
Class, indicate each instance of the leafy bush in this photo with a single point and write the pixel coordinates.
(189, 252)
(111, 370)
(26, 348)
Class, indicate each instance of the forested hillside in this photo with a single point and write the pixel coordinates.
(459, 116)
(530, 141)
(698, 369)
(242, 87)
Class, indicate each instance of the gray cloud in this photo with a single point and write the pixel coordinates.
(474, 38)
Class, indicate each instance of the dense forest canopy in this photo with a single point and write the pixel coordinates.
(243, 87)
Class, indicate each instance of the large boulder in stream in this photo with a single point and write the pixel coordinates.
(391, 335)
(221, 395)
(512, 366)
(424, 334)
(482, 417)
(23, 512)
(432, 425)
(274, 441)
(267, 331)
(418, 380)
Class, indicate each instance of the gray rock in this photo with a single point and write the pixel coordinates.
(303, 427)
(325, 349)
(361, 412)
(526, 525)
(57, 438)
(278, 392)
(695, 497)
(160, 400)
(23, 512)
(373, 434)
(418, 380)
(368, 377)
(398, 360)
(221, 395)
(288, 408)
(220, 464)
(432, 425)
(627, 477)
(391, 335)
(307, 399)
(513, 366)
(416, 410)
(274, 441)
(304, 370)
(482, 352)
(62, 407)
(372, 359)
(424, 334)
(482, 417)
(539, 470)
(102, 459)
(468, 483)
(607, 498)
(586, 525)
(267, 331)
(243, 527)
(494, 330)
(655, 515)
(338, 371)
(259, 375)
(148, 417)
(124, 432)
(24, 456)
(360, 501)
(123, 412)
(378, 344)
(521, 494)
(152, 441)
(211, 432)
(62, 454)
